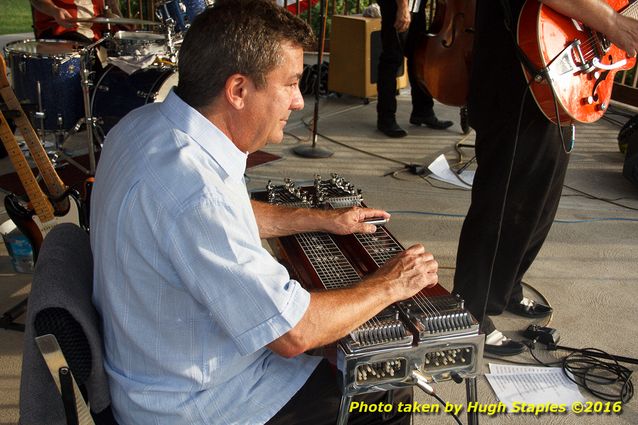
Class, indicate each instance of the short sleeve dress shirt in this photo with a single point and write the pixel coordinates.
(188, 295)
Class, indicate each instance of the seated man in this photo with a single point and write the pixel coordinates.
(201, 324)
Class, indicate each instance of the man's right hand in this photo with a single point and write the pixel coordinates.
(402, 21)
(408, 272)
(63, 17)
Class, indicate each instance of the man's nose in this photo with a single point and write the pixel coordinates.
(297, 100)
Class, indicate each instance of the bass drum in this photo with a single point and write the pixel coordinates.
(117, 93)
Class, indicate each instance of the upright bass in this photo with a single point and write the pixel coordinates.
(442, 59)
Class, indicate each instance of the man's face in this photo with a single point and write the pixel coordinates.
(268, 108)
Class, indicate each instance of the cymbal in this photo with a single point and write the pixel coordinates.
(114, 21)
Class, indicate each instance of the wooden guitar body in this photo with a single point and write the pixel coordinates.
(29, 223)
(581, 63)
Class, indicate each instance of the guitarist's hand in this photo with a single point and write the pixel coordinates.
(625, 34)
(402, 21)
(600, 16)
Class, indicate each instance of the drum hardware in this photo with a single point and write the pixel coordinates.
(89, 120)
(58, 153)
(46, 77)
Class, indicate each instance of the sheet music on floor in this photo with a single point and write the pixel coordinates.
(534, 386)
(441, 171)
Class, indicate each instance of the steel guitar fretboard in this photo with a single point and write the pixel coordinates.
(335, 271)
(332, 267)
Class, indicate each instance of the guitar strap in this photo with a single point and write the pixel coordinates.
(508, 20)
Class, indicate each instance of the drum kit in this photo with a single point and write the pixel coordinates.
(70, 85)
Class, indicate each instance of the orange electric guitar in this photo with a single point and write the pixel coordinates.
(43, 211)
(580, 63)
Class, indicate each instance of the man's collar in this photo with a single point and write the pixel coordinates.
(206, 134)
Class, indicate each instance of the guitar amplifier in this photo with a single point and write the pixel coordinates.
(355, 46)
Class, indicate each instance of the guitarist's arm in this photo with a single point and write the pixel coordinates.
(599, 15)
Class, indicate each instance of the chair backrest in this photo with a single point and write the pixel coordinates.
(60, 304)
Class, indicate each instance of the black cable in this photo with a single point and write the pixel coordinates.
(444, 403)
(585, 368)
(609, 201)
(594, 374)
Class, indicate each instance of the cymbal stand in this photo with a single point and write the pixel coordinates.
(85, 81)
(170, 39)
(40, 113)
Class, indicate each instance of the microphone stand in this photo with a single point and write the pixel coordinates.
(313, 151)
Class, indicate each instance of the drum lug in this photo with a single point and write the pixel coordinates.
(22, 66)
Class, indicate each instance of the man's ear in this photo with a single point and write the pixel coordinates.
(237, 87)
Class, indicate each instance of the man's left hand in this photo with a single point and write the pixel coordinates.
(352, 220)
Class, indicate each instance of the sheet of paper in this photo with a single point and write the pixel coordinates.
(441, 171)
(534, 388)
(502, 369)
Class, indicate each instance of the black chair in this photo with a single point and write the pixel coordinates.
(62, 370)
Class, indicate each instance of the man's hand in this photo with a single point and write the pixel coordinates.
(409, 271)
(62, 17)
(625, 34)
(351, 220)
(402, 21)
(333, 313)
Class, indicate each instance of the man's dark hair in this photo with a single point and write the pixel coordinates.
(235, 37)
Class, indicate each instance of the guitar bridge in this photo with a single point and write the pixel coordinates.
(570, 61)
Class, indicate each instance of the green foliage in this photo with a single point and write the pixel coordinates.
(340, 9)
(15, 16)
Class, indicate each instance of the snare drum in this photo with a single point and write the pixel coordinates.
(56, 65)
(117, 93)
(137, 43)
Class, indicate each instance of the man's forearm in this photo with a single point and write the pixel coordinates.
(114, 6)
(45, 6)
(596, 14)
(276, 220)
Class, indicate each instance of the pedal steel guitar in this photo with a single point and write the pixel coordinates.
(430, 335)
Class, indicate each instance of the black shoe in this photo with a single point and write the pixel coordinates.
(499, 345)
(530, 309)
(507, 348)
(432, 121)
(392, 130)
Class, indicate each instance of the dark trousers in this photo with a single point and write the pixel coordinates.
(532, 200)
(317, 403)
(497, 89)
(394, 46)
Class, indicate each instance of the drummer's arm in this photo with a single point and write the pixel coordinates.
(114, 7)
(60, 15)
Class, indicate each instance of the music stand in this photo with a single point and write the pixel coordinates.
(313, 151)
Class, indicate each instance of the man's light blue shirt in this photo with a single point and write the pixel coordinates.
(188, 295)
